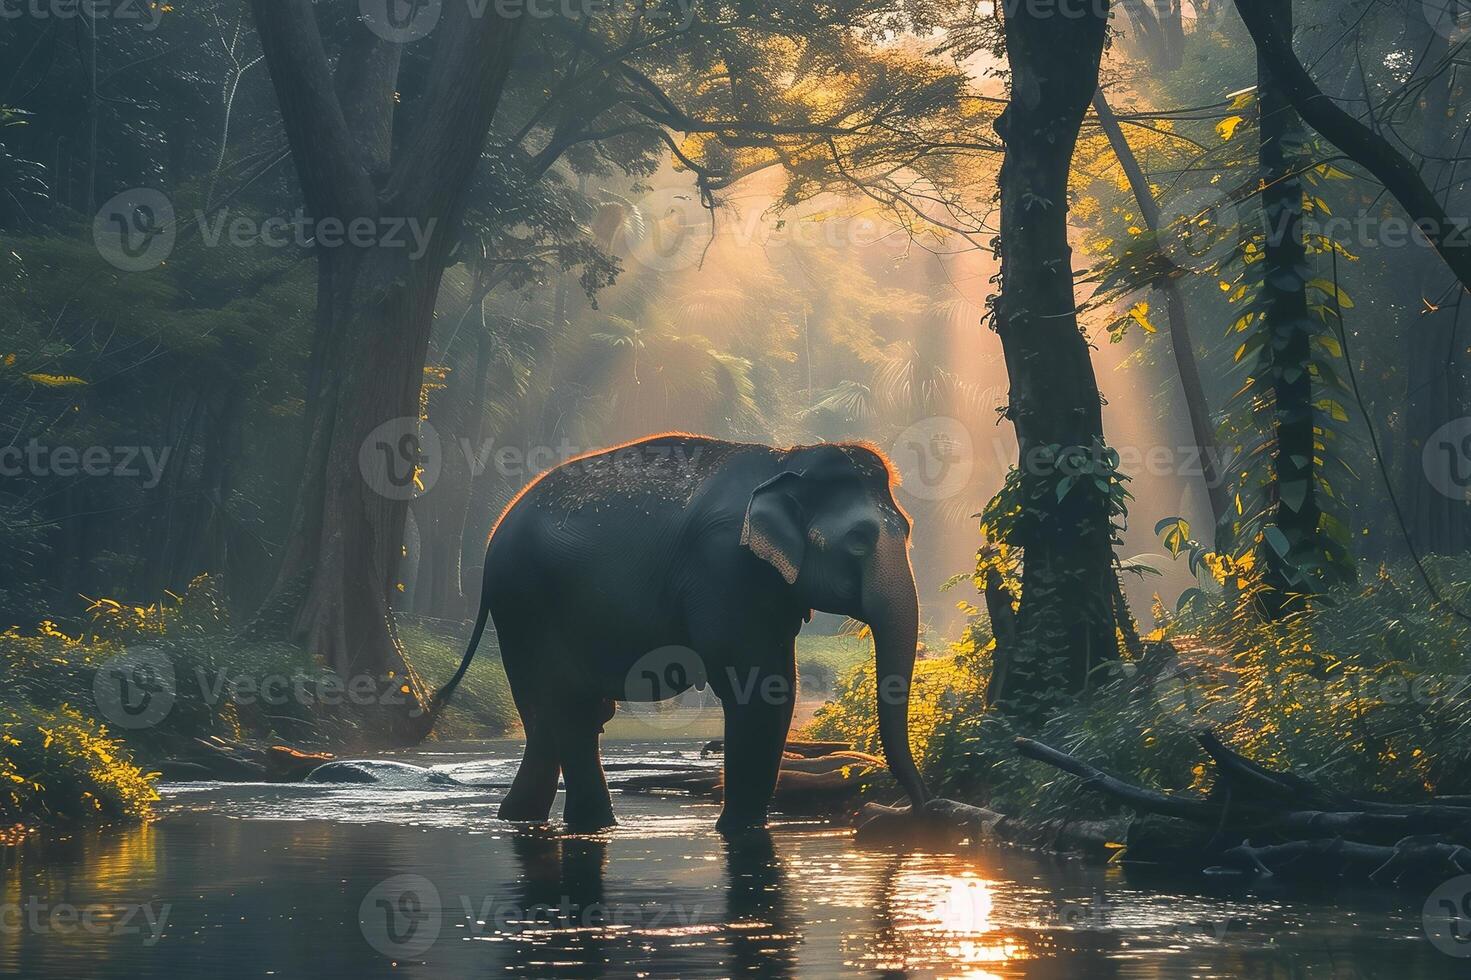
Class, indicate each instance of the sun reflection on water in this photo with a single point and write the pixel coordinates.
(942, 919)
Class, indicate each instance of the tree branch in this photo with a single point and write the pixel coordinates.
(1360, 143)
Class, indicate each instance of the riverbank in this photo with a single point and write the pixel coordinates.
(97, 711)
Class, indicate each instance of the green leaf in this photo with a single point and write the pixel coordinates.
(1294, 494)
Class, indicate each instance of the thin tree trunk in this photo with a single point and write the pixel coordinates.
(1438, 522)
(1365, 147)
(1287, 355)
(1202, 426)
(1067, 618)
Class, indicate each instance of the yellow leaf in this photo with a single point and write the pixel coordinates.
(1140, 315)
(1226, 128)
(56, 380)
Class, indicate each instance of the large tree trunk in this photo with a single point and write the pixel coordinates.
(457, 411)
(375, 303)
(1287, 356)
(1067, 619)
(1202, 426)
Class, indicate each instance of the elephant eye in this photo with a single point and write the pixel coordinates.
(862, 539)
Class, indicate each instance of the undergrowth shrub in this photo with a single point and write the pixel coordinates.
(60, 767)
(1368, 692)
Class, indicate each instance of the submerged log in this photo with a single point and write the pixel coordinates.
(950, 822)
(1414, 860)
(226, 760)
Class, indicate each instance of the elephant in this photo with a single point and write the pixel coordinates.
(713, 549)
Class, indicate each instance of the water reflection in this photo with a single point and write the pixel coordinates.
(251, 895)
(559, 917)
(761, 931)
(567, 919)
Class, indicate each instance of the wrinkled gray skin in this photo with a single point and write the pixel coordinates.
(678, 541)
(395, 775)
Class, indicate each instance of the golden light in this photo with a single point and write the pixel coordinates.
(948, 919)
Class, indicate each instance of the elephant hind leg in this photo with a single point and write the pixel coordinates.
(534, 789)
(589, 807)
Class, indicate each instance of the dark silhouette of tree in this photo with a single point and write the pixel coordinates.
(360, 159)
(1060, 504)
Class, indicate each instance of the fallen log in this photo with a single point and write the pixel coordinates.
(1383, 843)
(1248, 779)
(1144, 800)
(794, 746)
(1413, 860)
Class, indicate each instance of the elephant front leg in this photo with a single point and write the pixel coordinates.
(758, 716)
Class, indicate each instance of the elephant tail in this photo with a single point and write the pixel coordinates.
(441, 697)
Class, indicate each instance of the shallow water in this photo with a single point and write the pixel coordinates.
(360, 881)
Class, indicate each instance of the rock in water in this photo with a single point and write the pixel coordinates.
(394, 775)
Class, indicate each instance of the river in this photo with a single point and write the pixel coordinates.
(255, 880)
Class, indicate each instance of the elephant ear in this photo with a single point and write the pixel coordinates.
(776, 527)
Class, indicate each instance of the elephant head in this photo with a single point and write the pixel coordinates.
(830, 525)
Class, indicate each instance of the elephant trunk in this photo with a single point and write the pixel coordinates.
(891, 607)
